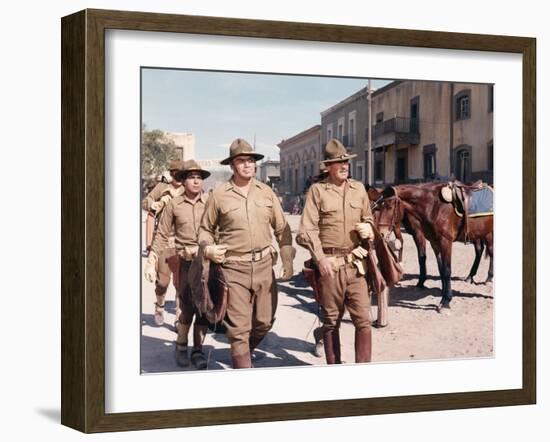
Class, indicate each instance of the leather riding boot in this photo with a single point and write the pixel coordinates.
(241, 361)
(253, 342)
(182, 356)
(331, 341)
(337, 347)
(197, 356)
(363, 345)
(199, 333)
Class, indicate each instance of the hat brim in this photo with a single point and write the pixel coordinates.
(182, 174)
(256, 156)
(339, 159)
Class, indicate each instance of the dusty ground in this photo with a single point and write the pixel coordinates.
(415, 329)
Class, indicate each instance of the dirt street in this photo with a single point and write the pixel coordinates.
(415, 330)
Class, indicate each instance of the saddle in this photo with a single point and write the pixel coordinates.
(209, 290)
(461, 195)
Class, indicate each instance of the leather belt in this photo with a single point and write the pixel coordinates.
(335, 251)
(253, 256)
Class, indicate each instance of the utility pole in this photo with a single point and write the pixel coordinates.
(369, 125)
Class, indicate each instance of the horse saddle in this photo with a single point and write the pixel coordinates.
(209, 290)
(469, 200)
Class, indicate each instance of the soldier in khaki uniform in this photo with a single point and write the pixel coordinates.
(242, 212)
(336, 217)
(155, 202)
(182, 215)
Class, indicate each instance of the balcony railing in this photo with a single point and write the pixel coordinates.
(396, 125)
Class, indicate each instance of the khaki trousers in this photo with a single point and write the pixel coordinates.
(163, 271)
(346, 289)
(252, 302)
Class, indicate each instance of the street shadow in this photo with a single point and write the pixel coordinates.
(273, 352)
(409, 296)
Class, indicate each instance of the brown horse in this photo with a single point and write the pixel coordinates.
(395, 216)
(433, 219)
(374, 194)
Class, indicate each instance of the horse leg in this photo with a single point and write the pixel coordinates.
(478, 246)
(420, 242)
(399, 236)
(490, 253)
(444, 253)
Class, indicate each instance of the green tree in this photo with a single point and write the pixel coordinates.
(156, 152)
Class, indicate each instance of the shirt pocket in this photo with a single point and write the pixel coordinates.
(264, 210)
(355, 208)
(330, 213)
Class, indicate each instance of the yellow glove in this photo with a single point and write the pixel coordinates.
(165, 199)
(157, 206)
(287, 257)
(215, 253)
(365, 230)
(150, 269)
(360, 252)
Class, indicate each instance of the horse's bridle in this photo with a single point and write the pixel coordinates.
(381, 199)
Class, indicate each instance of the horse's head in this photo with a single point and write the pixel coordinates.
(388, 206)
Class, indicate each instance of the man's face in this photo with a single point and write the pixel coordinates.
(339, 170)
(193, 183)
(175, 182)
(244, 166)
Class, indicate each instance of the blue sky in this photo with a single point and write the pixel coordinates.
(218, 107)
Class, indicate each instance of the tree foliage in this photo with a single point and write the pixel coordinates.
(156, 152)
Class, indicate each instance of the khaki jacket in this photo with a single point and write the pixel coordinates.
(154, 195)
(244, 223)
(330, 215)
(183, 217)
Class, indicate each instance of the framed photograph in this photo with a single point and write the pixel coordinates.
(141, 91)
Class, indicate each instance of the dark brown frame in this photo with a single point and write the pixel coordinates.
(83, 216)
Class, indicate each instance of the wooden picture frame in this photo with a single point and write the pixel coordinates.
(83, 220)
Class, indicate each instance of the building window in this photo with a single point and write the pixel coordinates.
(351, 128)
(462, 105)
(379, 117)
(462, 163)
(491, 97)
(430, 170)
(340, 133)
(379, 166)
(329, 132)
(359, 176)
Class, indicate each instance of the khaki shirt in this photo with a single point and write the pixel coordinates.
(158, 191)
(330, 215)
(243, 222)
(183, 217)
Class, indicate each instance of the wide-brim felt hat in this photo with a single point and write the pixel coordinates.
(335, 151)
(175, 165)
(241, 147)
(191, 166)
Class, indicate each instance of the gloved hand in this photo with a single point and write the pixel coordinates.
(287, 257)
(189, 252)
(215, 253)
(157, 206)
(165, 199)
(150, 269)
(365, 230)
(359, 252)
